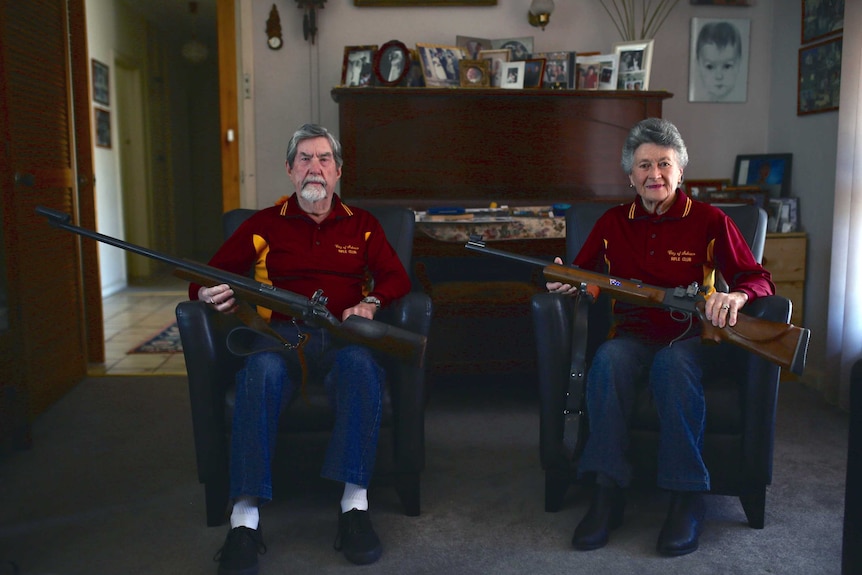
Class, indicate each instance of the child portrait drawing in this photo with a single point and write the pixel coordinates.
(718, 70)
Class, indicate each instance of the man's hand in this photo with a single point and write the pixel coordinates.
(721, 308)
(220, 297)
(362, 309)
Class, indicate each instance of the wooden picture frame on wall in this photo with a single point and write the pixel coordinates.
(102, 124)
(819, 77)
(424, 3)
(101, 83)
(821, 19)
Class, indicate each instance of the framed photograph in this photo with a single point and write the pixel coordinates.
(559, 70)
(414, 77)
(821, 18)
(782, 215)
(718, 60)
(101, 83)
(472, 46)
(496, 59)
(633, 64)
(357, 69)
(102, 119)
(520, 48)
(391, 63)
(701, 189)
(771, 172)
(512, 75)
(474, 73)
(440, 64)
(819, 77)
(534, 71)
(597, 72)
(740, 195)
(424, 3)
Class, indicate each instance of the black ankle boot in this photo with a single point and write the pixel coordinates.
(605, 514)
(683, 524)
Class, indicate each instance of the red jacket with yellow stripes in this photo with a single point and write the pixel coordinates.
(688, 243)
(287, 249)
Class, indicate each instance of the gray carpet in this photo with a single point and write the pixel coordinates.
(109, 488)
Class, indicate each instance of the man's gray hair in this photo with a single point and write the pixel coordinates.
(308, 131)
(653, 131)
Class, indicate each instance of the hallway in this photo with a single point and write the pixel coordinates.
(132, 316)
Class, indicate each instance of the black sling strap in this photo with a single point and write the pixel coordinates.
(575, 416)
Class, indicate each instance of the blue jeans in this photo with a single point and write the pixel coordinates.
(268, 382)
(674, 376)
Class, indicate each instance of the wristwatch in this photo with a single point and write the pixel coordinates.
(371, 299)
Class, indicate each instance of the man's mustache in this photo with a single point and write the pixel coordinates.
(313, 180)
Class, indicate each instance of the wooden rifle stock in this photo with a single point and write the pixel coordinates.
(781, 343)
(400, 343)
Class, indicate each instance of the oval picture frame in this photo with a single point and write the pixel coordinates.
(391, 63)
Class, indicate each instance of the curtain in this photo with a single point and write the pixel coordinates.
(844, 337)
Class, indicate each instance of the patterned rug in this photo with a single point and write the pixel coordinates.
(165, 341)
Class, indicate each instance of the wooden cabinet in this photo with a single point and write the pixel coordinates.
(784, 256)
(428, 146)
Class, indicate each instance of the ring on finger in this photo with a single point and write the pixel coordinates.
(725, 306)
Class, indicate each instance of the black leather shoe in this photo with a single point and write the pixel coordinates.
(683, 524)
(356, 538)
(605, 514)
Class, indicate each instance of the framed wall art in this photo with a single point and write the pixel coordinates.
(101, 83)
(821, 18)
(357, 69)
(424, 3)
(102, 120)
(597, 72)
(512, 75)
(474, 73)
(819, 77)
(559, 69)
(391, 63)
(718, 60)
(496, 59)
(472, 46)
(440, 64)
(534, 71)
(769, 171)
(634, 60)
(520, 48)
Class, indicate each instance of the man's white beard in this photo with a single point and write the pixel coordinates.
(313, 192)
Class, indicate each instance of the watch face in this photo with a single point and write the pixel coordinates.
(274, 42)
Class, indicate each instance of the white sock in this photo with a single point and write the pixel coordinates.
(245, 513)
(355, 497)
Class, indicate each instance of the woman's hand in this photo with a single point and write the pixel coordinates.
(220, 297)
(721, 308)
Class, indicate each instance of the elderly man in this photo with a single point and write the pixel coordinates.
(308, 241)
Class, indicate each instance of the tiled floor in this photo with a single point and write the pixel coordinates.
(132, 316)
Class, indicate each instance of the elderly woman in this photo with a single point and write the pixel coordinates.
(667, 239)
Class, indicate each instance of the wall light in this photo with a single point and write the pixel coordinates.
(540, 12)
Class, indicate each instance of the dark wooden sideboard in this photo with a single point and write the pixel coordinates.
(423, 147)
(432, 146)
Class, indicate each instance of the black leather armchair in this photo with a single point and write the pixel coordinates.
(741, 402)
(211, 370)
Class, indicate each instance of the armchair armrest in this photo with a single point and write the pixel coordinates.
(211, 368)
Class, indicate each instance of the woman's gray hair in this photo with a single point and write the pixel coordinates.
(308, 131)
(653, 131)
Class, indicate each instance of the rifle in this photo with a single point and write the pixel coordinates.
(781, 343)
(402, 344)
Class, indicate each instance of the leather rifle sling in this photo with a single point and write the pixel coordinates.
(243, 340)
(574, 411)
